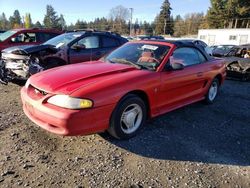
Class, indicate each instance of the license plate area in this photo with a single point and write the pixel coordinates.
(30, 108)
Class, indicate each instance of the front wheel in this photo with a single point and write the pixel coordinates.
(128, 117)
(212, 91)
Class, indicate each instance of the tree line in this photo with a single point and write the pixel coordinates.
(221, 14)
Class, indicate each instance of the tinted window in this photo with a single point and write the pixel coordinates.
(109, 42)
(201, 43)
(188, 56)
(89, 42)
(201, 56)
(233, 52)
(43, 37)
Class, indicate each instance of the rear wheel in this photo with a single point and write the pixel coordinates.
(128, 117)
(212, 91)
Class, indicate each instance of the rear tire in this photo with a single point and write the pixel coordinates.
(128, 117)
(212, 91)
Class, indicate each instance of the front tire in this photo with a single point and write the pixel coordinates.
(128, 117)
(212, 91)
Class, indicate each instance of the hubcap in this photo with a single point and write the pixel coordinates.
(131, 118)
(213, 91)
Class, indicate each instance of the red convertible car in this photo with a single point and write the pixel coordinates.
(118, 93)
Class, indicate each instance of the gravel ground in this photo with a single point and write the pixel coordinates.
(196, 146)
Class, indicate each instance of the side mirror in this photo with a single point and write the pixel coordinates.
(177, 66)
(78, 47)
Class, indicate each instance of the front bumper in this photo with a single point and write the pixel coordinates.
(66, 122)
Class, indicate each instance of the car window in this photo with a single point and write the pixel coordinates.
(7, 34)
(188, 56)
(89, 42)
(146, 55)
(43, 37)
(109, 42)
(25, 38)
(203, 44)
(233, 52)
(201, 56)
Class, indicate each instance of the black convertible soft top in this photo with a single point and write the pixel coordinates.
(186, 43)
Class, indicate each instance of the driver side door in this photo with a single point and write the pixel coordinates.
(181, 87)
(88, 50)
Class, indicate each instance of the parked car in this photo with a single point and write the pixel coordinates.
(129, 38)
(238, 62)
(222, 50)
(17, 37)
(196, 42)
(201, 44)
(138, 81)
(150, 37)
(72, 47)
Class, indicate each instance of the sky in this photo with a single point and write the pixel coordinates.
(86, 10)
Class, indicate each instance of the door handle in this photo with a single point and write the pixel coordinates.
(199, 74)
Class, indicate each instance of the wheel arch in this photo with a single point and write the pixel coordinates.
(219, 77)
(143, 95)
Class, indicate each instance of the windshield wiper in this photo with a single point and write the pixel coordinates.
(138, 66)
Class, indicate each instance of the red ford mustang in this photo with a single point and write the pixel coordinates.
(118, 93)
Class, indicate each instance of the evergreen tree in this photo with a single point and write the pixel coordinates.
(81, 25)
(164, 24)
(15, 20)
(62, 22)
(3, 22)
(51, 19)
(28, 22)
(38, 25)
(229, 14)
(179, 26)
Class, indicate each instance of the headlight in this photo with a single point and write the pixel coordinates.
(66, 101)
(27, 83)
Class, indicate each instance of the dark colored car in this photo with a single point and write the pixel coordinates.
(17, 37)
(150, 37)
(201, 44)
(68, 48)
(238, 62)
(2, 31)
(222, 50)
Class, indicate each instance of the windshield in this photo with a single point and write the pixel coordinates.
(7, 34)
(141, 55)
(225, 47)
(63, 39)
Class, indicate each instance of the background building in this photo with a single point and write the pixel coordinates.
(224, 36)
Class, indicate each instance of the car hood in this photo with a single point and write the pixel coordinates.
(243, 62)
(28, 49)
(69, 78)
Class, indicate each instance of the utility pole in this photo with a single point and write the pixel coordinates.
(131, 19)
